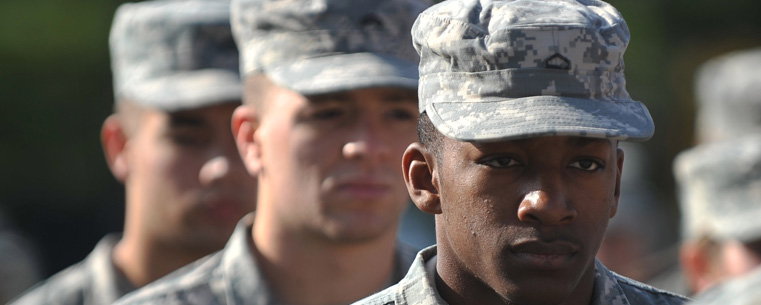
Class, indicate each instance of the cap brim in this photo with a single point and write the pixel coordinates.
(187, 90)
(536, 116)
(342, 72)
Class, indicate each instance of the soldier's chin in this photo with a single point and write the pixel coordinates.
(355, 232)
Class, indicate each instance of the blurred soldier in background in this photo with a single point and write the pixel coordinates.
(720, 191)
(728, 98)
(176, 86)
(330, 104)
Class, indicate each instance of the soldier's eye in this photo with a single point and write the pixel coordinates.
(500, 162)
(328, 113)
(587, 165)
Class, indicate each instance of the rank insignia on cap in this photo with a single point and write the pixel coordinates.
(557, 61)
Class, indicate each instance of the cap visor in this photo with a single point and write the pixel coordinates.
(187, 90)
(542, 116)
(342, 72)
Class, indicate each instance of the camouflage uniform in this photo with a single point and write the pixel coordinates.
(230, 276)
(95, 280)
(419, 288)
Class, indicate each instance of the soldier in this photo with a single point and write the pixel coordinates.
(728, 103)
(720, 187)
(329, 107)
(522, 106)
(176, 85)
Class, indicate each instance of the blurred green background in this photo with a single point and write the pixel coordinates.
(55, 85)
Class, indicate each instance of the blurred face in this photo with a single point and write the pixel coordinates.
(186, 181)
(521, 220)
(330, 163)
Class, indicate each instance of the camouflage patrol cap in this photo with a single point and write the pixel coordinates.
(497, 70)
(322, 46)
(174, 55)
(728, 92)
(720, 189)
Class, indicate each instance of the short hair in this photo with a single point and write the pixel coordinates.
(256, 90)
(711, 248)
(428, 135)
(130, 115)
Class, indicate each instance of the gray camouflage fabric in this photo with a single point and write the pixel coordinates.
(174, 55)
(230, 276)
(728, 94)
(323, 46)
(738, 291)
(720, 189)
(496, 70)
(418, 288)
(93, 281)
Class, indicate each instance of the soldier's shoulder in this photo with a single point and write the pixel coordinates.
(640, 293)
(192, 284)
(68, 286)
(383, 297)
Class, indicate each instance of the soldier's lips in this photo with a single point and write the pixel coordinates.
(362, 186)
(363, 190)
(545, 255)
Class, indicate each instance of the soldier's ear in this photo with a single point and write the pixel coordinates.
(420, 176)
(245, 123)
(114, 141)
(697, 265)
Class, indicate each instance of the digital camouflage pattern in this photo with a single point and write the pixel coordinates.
(720, 189)
(728, 95)
(230, 276)
(93, 281)
(322, 46)
(174, 55)
(743, 290)
(419, 288)
(495, 70)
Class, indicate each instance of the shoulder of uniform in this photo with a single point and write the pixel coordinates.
(384, 297)
(640, 293)
(65, 287)
(188, 285)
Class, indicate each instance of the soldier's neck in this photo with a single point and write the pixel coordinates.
(304, 270)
